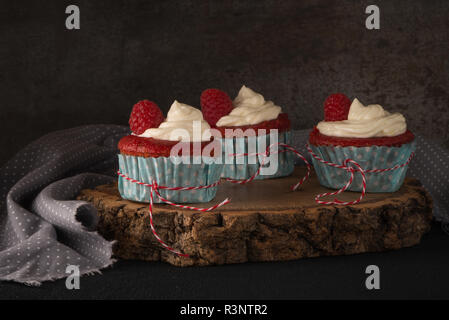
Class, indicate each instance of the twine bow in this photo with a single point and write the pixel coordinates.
(346, 165)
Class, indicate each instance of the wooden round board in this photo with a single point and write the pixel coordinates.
(265, 221)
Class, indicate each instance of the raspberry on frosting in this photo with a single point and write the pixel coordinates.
(336, 107)
(181, 124)
(365, 122)
(145, 114)
(155, 138)
(214, 105)
(250, 108)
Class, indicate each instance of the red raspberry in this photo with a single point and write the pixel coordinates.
(145, 114)
(214, 105)
(336, 107)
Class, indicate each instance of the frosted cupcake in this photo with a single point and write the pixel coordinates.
(169, 152)
(370, 135)
(246, 126)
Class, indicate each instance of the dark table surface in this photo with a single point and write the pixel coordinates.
(420, 272)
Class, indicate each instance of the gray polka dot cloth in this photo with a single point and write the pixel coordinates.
(43, 230)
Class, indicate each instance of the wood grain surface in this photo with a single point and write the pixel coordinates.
(265, 221)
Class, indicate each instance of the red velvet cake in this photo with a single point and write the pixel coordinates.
(374, 138)
(248, 123)
(168, 151)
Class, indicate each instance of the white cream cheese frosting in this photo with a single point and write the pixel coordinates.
(249, 108)
(183, 123)
(365, 122)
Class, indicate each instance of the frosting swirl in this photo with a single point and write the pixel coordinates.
(365, 122)
(183, 123)
(249, 108)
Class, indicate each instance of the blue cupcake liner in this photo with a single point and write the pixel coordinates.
(373, 157)
(243, 167)
(169, 173)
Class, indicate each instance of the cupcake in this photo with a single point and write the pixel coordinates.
(246, 127)
(369, 135)
(169, 152)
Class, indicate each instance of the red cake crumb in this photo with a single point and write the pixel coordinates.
(318, 139)
(149, 147)
(281, 123)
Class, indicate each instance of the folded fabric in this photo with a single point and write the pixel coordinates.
(42, 229)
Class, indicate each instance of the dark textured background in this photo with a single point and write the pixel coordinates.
(293, 52)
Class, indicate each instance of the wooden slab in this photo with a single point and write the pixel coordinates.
(265, 221)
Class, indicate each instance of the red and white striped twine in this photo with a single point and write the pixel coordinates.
(347, 166)
(155, 187)
(262, 161)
